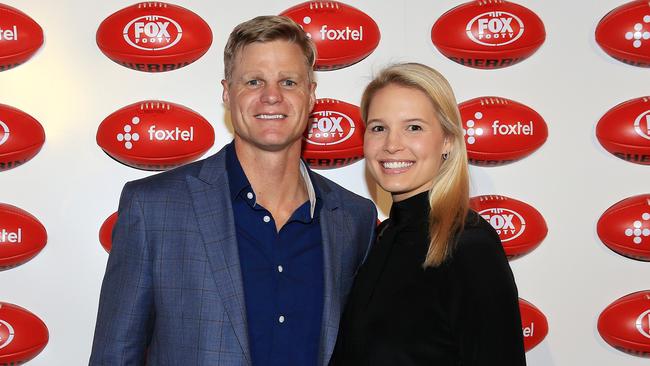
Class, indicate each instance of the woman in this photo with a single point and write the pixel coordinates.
(436, 288)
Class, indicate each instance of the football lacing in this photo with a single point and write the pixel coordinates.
(155, 105)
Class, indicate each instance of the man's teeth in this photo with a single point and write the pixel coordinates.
(270, 116)
(397, 164)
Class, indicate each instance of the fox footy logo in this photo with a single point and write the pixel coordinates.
(508, 223)
(152, 33)
(495, 28)
(6, 334)
(329, 128)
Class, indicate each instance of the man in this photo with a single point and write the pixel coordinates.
(246, 257)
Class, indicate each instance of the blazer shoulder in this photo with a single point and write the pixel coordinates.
(169, 181)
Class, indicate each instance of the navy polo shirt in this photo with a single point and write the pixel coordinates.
(282, 273)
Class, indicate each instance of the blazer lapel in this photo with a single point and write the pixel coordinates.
(213, 209)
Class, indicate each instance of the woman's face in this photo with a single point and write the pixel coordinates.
(403, 142)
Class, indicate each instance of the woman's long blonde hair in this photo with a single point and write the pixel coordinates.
(449, 196)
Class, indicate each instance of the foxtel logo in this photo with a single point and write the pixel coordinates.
(171, 135)
(345, 34)
(529, 331)
(11, 237)
(513, 129)
(9, 34)
(129, 137)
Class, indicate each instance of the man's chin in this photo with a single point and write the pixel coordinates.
(270, 144)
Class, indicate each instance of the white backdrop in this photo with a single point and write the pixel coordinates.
(72, 186)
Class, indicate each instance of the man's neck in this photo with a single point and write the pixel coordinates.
(275, 177)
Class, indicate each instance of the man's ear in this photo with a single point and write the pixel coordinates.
(225, 96)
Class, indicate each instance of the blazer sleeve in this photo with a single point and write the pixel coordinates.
(125, 316)
(485, 304)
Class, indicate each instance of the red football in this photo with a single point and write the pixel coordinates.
(334, 135)
(343, 35)
(155, 135)
(22, 335)
(520, 226)
(21, 137)
(154, 37)
(625, 227)
(624, 33)
(625, 324)
(488, 34)
(624, 131)
(20, 37)
(500, 131)
(106, 232)
(533, 324)
(22, 236)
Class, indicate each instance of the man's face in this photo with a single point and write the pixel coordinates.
(270, 95)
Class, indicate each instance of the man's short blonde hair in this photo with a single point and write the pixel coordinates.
(267, 28)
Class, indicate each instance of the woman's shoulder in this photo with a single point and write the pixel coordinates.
(477, 239)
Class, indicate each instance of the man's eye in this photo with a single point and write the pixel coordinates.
(377, 128)
(289, 83)
(253, 82)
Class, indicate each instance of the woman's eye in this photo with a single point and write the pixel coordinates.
(414, 128)
(377, 128)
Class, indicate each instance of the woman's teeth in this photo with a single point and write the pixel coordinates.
(396, 164)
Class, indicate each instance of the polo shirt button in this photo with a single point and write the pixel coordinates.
(267, 218)
(249, 195)
(280, 269)
(281, 319)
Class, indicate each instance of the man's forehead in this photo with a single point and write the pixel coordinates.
(272, 56)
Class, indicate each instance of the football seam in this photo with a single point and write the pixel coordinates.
(491, 51)
(104, 50)
(23, 149)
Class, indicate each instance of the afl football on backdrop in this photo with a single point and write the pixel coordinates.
(625, 227)
(106, 232)
(499, 131)
(624, 131)
(155, 135)
(21, 137)
(488, 34)
(22, 335)
(625, 324)
(624, 33)
(520, 226)
(343, 35)
(20, 37)
(154, 37)
(334, 135)
(533, 324)
(22, 236)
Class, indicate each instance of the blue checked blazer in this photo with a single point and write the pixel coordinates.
(173, 293)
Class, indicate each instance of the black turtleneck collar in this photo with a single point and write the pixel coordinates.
(411, 211)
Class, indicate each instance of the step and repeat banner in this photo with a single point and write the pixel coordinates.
(554, 103)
